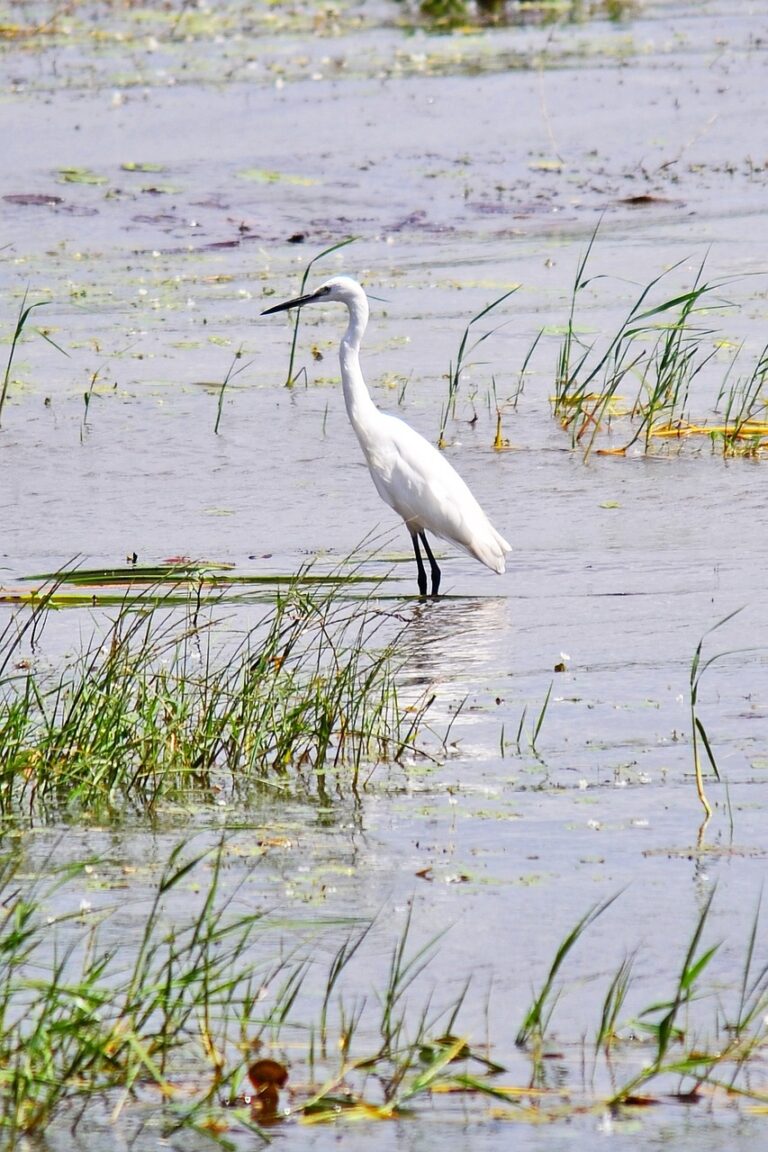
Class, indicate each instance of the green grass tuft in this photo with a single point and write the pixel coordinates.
(162, 706)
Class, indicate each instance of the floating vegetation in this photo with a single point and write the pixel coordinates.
(116, 45)
(446, 14)
(81, 176)
(266, 176)
(177, 582)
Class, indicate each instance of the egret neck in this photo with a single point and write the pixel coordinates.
(361, 409)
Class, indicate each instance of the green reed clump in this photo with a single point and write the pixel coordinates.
(744, 405)
(659, 349)
(78, 1019)
(160, 705)
(416, 1049)
(175, 1016)
(656, 355)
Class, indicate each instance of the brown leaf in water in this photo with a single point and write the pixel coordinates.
(692, 1097)
(32, 199)
(644, 198)
(159, 218)
(215, 244)
(268, 1077)
(268, 1073)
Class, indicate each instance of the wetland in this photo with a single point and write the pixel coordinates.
(265, 813)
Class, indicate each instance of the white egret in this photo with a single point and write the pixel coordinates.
(410, 475)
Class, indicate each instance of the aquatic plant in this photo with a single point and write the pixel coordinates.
(455, 370)
(659, 350)
(161, 703)
(234, 369)
(185, 1017)
(699, 736)
(510, 403)
(77, 1018)
(659, 344)
(291, 377)
(675, 1050)
(535, 732)
(537, 1018)
(192, 1017)
(665, 1029)
(744, 410)
(25, 311)
(446, 14)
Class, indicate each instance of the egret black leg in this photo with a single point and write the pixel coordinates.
(420, 566)
(433, 568)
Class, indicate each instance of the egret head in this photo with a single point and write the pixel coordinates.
(341, 288)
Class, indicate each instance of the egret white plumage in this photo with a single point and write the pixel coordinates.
(410, 474)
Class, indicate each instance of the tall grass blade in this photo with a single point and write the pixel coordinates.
(231, 373)
(455, 370)
(539, 1013)
(613, 1003)
(24, 313)
(290, 379)
(697, 728)
(666, 1030)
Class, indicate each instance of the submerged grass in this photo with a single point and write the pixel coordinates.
(177, 582)
(161, 704)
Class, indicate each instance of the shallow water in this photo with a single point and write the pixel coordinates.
(464, 164)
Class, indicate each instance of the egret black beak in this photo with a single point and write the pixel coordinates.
(297, 303)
